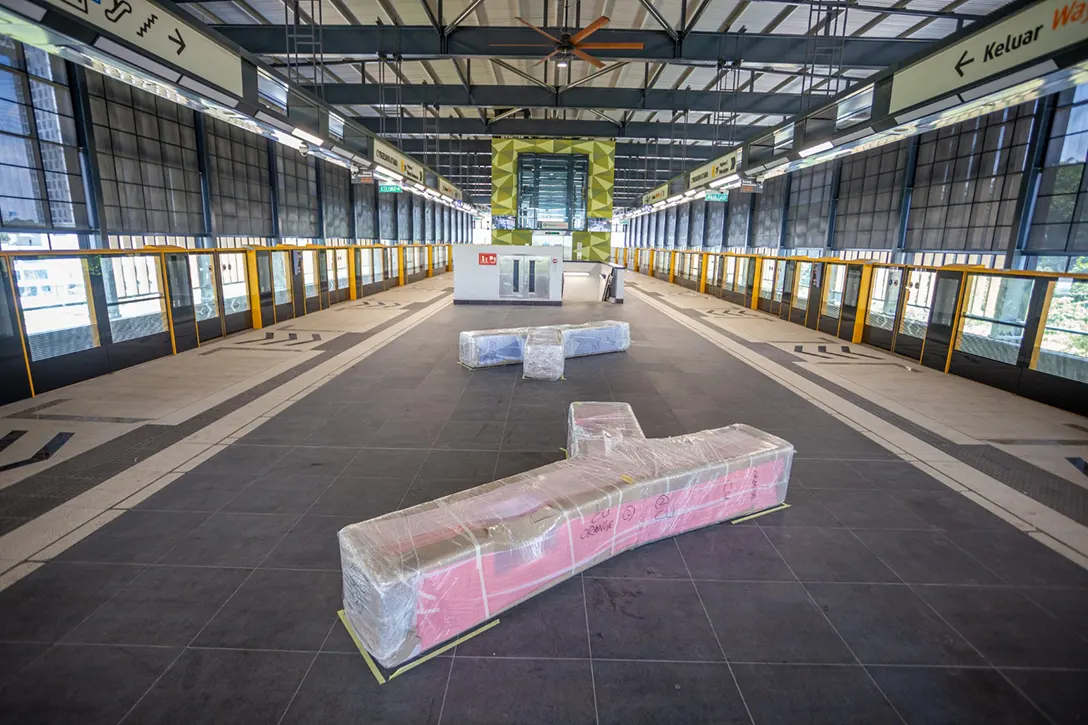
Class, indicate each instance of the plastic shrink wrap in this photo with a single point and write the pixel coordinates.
(484, 348)
(592, 428)
(543, 354)
(417, 577)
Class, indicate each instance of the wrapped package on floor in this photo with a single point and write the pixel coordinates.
(484, 348)
(543, 354)
(418, 577)
(592, 427)
(596, 338)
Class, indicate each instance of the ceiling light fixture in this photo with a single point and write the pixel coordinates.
(825, 146)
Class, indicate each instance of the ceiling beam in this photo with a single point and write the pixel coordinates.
(422, 42)
(535, 127)
(414, 147)
(602, 99)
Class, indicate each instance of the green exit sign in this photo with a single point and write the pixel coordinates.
(390, 188)
(717, 196)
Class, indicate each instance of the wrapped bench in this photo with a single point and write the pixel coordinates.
(487, 348)
(418, 577)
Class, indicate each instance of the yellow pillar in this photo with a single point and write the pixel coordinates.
(400, 264)
(353, 274)
(254, 288)
(430, 260)
(672, 265)
(702, 273)
(650, 266)
(19, 319)
(757, 277)
(863, 303)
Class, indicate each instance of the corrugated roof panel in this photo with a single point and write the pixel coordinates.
(716, 15)
(758, 16)
(935, 30)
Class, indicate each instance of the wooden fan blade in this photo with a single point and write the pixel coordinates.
(587, 58)
(611, 46)
(519, 45)
(542, 32)
(545, 58)
(589, 30)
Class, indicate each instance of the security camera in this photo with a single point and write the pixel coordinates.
(304, 149)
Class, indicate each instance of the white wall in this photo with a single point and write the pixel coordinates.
(475, 282)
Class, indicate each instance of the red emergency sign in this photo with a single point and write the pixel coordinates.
(489, 258)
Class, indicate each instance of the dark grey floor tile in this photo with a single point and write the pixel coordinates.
(1019, 559)
(16, 656)
(700, 420)
(828, 555)
(888, 624)
(511, 462)
(229, 539)
(310, 544)
(1066, 604)
(925, 557)
(243, 460)
(470, 435)
(791, 694)
(423, 490)
(950, 510)
(550, 624)
(896, 476)
(314, 461)
(276, 609)
(197, 492)
(475, 466)
(223, 686)
(804, 510)
(164, 606)
(486, 691)
(282, 431)
(1062, 695)
(361, 498)
(135, 537)
(400, 463)
(656, 560)
(663, 424)
(727, 552)
(339, 689)
(868, 509)
(82, 684)
(481, 408)
(940, 696)
(342, 434)
(400, 433)
(279, 494)
(1006, 627)
(671, 622)
(752, 620)
(534, 436)
(48, 603)
(664, 693)
(554, 414)
(819, 474)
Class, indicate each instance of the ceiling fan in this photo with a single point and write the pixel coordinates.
(567, 47)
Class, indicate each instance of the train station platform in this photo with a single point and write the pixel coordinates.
(174, 558)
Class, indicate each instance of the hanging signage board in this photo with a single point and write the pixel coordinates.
(390, 189)
(751, 187)
(390, 158)
(658, 194)
(717, 196)
(161, 35)
(715, 169)
(445, 187)
(1037, 31)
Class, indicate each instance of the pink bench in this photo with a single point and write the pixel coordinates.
(418, 577)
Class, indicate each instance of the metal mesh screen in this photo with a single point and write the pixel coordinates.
(240, 182)
(296, 182)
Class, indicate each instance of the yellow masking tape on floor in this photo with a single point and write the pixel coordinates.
(760, 513)
(373, 665)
